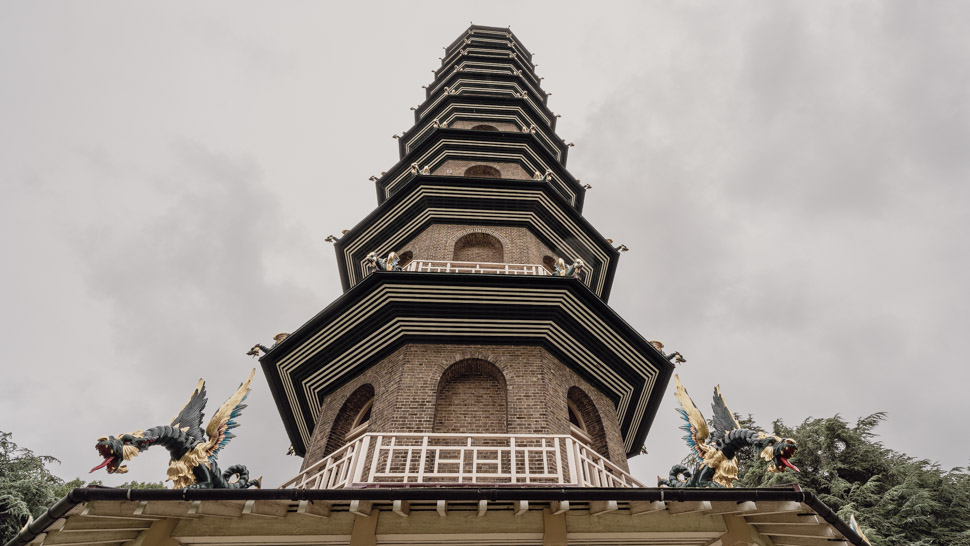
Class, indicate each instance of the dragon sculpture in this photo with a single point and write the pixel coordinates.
(193, 457)
(380, 264)
(714, 454)
(574, 270)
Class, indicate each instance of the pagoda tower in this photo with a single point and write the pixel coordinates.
(471, 385)
(473, 343)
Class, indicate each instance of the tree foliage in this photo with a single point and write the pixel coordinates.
(27, 487)
(897, 500)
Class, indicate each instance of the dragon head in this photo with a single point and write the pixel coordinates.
(116, 450)
(777, 451)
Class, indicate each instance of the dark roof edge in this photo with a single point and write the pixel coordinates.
(78, 496)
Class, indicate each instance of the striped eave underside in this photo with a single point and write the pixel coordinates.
(470, 67)
(355, 274)
(456, 328)
(423, 110)
(529, 159)
(411, 141)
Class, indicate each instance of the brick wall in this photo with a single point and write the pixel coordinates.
(457, 167)
(438, 241)
(407, 387)
(469, 123)
(471, 398)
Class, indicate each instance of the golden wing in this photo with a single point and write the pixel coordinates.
(694, 424)
(223, 421)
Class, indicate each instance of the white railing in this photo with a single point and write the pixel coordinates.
(445, 266)
(377, 459)
(341, 469)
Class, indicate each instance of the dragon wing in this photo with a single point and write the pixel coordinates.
(189, 419)
(724, 420)
(220, 426)
(694, 424)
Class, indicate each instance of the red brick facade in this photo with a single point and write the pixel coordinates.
(427, 388)
(444, 241)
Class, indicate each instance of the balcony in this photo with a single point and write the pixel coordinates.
(396, 460)
(445, 266)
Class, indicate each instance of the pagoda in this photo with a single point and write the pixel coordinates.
(471, 385)
(473, 343)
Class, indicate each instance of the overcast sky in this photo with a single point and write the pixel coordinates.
(792, 181)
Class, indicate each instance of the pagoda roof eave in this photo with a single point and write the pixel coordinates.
(79, 510)
(388, 310)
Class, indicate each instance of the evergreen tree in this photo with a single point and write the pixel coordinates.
(27, 488)
(896, 499)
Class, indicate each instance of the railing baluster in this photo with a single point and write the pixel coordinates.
(424, 453)
(512, 456)
(573, 462)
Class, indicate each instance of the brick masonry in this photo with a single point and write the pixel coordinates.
(457, 167)
(438, 242)
(411, 397)
(499, 125)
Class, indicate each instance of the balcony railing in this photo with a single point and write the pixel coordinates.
(445, 266)
(381, 460)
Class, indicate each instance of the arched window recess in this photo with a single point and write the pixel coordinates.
(577, 427)
(361, 422)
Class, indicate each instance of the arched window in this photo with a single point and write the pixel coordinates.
(483, 171)
(479, 247)
(484, 127)
(360, 423)
(471, 399)
(584, 421)
(352, 420)
(550, 263)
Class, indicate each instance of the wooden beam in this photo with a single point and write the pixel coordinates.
(442, 507)
(364, 529)
(601, 507)
(796, 530)
(728, 507)
(103, 524)
(559, 507)
(676, 508)
(780, 507)
(167, 509)
(554, 527)
(159, 534)
(113, 509)
(788, 518)
(646, 507)
(808, 541)
(521, 507)
(482, 507)
(219, 509)
(402, 508)
(361, 507)
(313, 508)
(739, 533)
(266, 508)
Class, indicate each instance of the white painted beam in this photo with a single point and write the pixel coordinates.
(402, 508)
(601, 507)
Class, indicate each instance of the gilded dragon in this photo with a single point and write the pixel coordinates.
(714, 454)
(193, 456)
